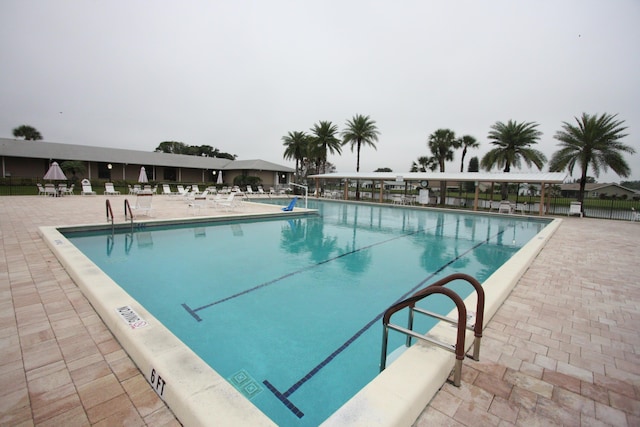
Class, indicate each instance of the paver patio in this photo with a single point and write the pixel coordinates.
(562, 350)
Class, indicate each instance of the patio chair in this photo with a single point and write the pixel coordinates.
(291, 205)
(182, 191)
(86, 188)
(635, 215)
(249, 190)
(166, 190)
(50, 190)
(41, 190)
(109, 190)
(575, 208)
(199, 201)
(227, 204)
(505, 207)
(143, 204)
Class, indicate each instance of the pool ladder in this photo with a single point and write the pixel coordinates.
(110, 218)
(462, 322)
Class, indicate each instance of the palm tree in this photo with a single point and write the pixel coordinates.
(324, 140)
(466, 142)
(513, 146)
(27, 132)
(594, 141)
(423, 163)
(74, 167)
(442, 143)
(295, 148)
(360, 130)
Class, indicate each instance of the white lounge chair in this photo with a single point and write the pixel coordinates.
(166, 190)
(182, 191)
(199, 201)
(575, 208)
(143, 204)
(86, 188)
(505, 207)
(249, 190)
(109, 190)
(227, 203)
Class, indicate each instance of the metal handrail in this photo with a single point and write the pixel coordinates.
(127, 206)
(476, 326)
(438, 288)
(306, 192)
(110, 215)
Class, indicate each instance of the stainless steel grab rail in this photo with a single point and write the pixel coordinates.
(461, 321)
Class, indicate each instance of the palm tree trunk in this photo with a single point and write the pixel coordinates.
(358, 170)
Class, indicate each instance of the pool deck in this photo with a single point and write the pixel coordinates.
(564, 349)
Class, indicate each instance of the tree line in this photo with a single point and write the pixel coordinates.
(593, 142)
(309, 150)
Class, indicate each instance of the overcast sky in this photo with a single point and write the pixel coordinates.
(238, 75)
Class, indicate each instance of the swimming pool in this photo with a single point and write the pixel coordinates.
(358, 259)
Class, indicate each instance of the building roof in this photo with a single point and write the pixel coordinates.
(260, 165)
(542, 177)
(58, 151)
(594, 186)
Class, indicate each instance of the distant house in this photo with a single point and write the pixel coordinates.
(31, 159)
(598, 190)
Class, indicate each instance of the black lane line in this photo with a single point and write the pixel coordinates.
(193, 311)
(284, 397)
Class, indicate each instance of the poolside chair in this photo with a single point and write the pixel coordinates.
(575, 208)
(227, 204)
(166, 190)
(291, 205)
(199, 201)
(86, 188)
(195, 189)
(109, 190)
(249, 190)
(143, 204)
(182, 191)
(261, 191)
(505, 207)
(50, 190)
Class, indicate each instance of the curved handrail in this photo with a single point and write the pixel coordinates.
(110, 214)
(127, 206)
(458, 349)
(479, 320)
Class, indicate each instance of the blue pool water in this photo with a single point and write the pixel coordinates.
(288, 310)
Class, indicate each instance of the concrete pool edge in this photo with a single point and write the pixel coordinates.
(192, 389)
(197, 394)
(399, 394)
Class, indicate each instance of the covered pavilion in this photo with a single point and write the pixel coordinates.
(424, 179)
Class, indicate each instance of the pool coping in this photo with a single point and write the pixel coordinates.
(197, 394)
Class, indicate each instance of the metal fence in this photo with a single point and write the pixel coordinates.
(611, 208)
